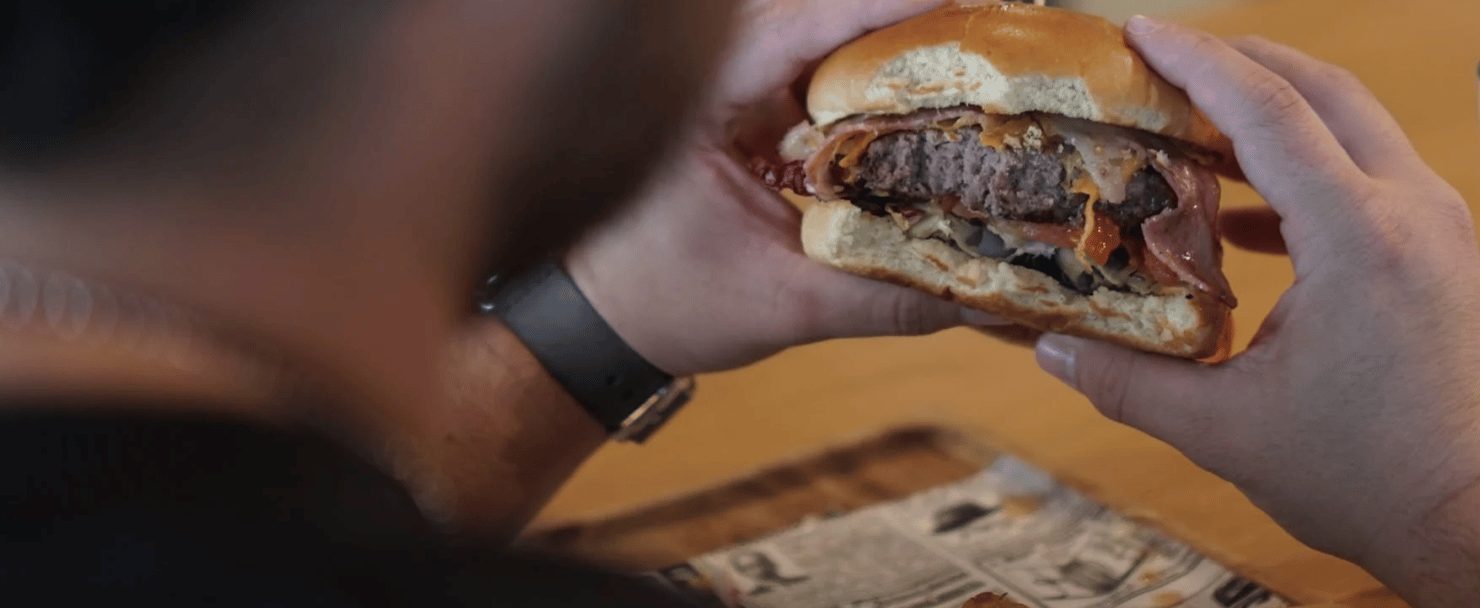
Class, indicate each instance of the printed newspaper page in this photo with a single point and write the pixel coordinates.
(1009, 529)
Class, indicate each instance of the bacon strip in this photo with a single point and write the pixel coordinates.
(1182, 244)
(866, 129)
(781, 176)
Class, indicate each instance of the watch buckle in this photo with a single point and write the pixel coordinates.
(656, 411)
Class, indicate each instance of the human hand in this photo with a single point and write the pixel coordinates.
(1352, 419)
(706, 271)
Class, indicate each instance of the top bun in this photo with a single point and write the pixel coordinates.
(1006, 59)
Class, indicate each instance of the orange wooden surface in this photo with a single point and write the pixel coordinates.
(1419, 56)
(835, 480)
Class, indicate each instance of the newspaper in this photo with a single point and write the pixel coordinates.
(1008, 529)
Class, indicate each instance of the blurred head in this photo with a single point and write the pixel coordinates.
(207, 90)
(389, 151)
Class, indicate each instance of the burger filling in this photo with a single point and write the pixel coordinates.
(1012, 183)
(1090, 205)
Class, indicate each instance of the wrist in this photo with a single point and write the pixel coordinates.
(483, 460)
(1434, 561)
(563, 330)
(627, 306)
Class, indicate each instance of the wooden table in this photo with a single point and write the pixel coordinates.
(1419, 56)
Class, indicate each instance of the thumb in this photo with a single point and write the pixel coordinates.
(778, 40)
(1176, 401)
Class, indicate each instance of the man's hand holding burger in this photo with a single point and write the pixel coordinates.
(703, 272)
(1354, 417)
(706, 271)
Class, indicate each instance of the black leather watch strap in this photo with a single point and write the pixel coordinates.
(573, 342)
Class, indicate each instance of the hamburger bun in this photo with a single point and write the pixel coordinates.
(1006, 59)
(1177, 321)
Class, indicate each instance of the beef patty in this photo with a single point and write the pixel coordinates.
(1013, 184)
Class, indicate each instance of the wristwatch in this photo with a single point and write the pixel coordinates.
(624, 392)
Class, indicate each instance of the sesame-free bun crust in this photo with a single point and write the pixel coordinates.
(1006, 59)
(1179, 321)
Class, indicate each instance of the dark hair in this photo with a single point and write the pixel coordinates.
(601, 116)
(70, 68)
(172, 81)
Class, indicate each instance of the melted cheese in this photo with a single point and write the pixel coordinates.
(1081, 248)
(1100, 236)
(1111, 157)
(854, 148)
(1006, 134)
(950, 128)
(1085, 184)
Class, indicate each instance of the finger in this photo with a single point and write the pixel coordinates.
(1173, 400)
(842, 305)
(780, 38)
(1365, 129)
(982, 319)
(817, 27)
(1283, 147)
(1255, 229)
(758, 128)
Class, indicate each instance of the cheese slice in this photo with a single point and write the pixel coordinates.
(1100, 236)
(853, 150)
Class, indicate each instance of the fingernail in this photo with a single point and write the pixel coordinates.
(1141, 24)
(1056, 356)
(977, 318)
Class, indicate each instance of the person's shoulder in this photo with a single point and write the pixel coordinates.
(189, 509)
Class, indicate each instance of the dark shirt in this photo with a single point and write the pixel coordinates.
(109, 509)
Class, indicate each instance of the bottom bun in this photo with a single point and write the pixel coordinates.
(1176, 321)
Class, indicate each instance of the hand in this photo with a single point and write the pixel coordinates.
(1354, 417)
(705, 272)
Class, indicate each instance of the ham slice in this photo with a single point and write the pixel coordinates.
(1181, 242)
(1185, 238)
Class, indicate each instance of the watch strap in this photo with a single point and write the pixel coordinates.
(571, 340)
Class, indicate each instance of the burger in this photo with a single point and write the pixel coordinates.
(1021, 160)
